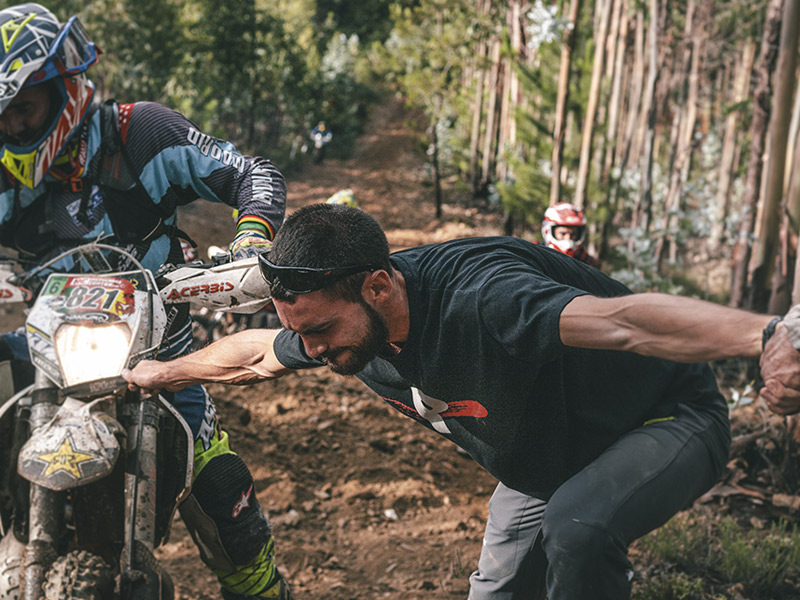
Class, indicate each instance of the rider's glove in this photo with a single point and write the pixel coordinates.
(249, 242)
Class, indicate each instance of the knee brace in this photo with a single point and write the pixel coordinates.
(227, 523)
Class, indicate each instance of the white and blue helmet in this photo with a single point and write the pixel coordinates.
(35, 48)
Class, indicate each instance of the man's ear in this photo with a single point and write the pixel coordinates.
(377, 286)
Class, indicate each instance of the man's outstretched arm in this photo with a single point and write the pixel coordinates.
(689, 330)
(671, 327)
(240, 359)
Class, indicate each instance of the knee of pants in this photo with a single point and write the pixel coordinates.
(224, 513)
(572, 544)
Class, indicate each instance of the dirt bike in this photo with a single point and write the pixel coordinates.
(91, 473)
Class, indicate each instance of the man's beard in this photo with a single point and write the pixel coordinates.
(364, 351)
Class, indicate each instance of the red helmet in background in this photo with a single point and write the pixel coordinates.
(564, 214)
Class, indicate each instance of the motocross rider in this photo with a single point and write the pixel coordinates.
(74, 171)
(564, 229)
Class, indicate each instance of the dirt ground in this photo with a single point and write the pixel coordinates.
(364, 503)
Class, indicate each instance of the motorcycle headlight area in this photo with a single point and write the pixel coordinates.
(91, 352)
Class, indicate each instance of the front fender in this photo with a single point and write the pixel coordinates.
(77, 447)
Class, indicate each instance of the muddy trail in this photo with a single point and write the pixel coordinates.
(364, 503)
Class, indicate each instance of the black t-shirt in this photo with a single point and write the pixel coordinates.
(485, 367)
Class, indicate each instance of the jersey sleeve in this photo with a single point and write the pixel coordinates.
(177, 164)
(520, 308)
(290, 353)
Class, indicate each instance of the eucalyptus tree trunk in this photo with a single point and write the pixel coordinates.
(507, 130)
(638, 104)
(479, 76)
(641, 217)
(615, 128)
(619, 34)
(591, 108)
(634, 98)
(560, 117)
(685, 119)
(793, 217)
(766, 248)
(490, 135)
(762, 96)
(729, 146)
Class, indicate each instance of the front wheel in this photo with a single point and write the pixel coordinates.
(79, 575)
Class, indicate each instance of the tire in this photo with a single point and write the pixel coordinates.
(79, 575)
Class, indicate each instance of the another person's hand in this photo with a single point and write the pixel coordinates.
(780, 369)
(249, 243)
(149, 377)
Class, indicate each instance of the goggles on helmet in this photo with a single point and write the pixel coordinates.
(66, 59)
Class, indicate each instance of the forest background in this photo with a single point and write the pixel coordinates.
(673, 123)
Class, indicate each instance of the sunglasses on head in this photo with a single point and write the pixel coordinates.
(302, 280)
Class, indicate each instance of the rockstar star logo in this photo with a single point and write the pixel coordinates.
(64, 459)
(243, 502)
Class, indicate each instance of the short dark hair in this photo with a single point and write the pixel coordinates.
(330, 235)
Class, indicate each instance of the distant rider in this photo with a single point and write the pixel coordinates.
(321, 136)
(73, 171)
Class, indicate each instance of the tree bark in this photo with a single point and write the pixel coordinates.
(507, 132)
(591, 108)
(686, 117)
(477, 114)
(763, 262)
(762, 95)
(641, 218)
(618, 75)
(489, 141)
(729, 145)
(560, 120)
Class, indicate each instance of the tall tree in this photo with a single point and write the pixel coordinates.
(767, 242)
(762, 100)
(560, 116)
(642, 212)
(744, 65)
(594, 98)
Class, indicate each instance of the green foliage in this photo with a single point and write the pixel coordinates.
(526, 195)
(367, 19)
(694, 557)
(671, 586)
(426, 55)
(141, 41)
(761, 562)
(255, 72)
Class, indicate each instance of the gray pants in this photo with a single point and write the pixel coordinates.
(575, 545)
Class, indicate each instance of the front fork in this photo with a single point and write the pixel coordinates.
(45, 515)
(140, 575)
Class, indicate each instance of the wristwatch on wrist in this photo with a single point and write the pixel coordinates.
(769, 330)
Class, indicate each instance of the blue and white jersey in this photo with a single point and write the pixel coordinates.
(172, 164)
